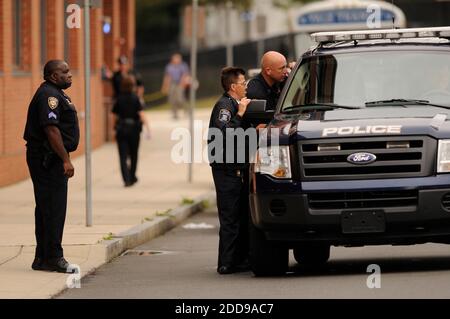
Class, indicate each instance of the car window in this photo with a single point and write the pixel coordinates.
(354, 79)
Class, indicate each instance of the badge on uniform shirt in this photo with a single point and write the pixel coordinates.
(52, 102)
(224, 115)
(52, 115)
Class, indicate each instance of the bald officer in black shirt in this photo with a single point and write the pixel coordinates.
(268, 84)
(51, 133)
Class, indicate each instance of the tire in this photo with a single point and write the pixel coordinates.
(267, 258)
(312, 254)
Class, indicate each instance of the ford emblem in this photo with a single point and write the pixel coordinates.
(361, 158)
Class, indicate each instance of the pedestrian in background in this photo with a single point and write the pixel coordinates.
(175, 83)
(230, 176)
(129, 119)
(51, 133)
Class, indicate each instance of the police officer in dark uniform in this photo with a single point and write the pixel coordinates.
(268, 84)
(230, 175)
(51, 133)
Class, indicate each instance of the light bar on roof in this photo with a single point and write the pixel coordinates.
(393, 34)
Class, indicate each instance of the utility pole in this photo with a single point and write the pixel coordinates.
(193, 83)
(228, 7)
(87, 97)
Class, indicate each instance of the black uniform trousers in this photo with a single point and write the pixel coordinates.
(232, 192)
(128, 139)
(50, 193)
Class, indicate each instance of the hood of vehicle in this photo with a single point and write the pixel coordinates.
(373, 121)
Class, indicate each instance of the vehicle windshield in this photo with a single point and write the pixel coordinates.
(350, 79)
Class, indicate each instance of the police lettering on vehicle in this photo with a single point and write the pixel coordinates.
(351, 130)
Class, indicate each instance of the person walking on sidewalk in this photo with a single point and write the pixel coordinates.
(175, 82)
(51, 133)
(129, 117)
(230, 176)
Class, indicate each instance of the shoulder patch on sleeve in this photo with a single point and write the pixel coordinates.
(53, 102)
(52, 115)
(224, 115)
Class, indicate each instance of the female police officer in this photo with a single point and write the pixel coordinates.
(230, 175)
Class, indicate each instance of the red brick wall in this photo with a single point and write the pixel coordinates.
(16, 90)
(1, 38)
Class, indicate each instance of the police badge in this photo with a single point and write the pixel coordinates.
(52, 102)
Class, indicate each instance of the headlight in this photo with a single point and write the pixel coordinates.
(443, 158)
(274, 161)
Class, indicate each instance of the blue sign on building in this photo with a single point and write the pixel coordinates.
(341, 16)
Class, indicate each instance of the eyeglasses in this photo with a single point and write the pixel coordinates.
(242, 83)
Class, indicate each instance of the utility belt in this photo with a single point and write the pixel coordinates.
(126, 126)
(128, 121)
(44, 153)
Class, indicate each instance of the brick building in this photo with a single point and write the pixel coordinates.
(34, 31)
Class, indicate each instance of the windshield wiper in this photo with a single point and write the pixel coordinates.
(402, 102)
(319, 105)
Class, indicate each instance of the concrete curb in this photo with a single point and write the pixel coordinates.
(146, 231)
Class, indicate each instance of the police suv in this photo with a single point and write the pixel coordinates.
(362, 155)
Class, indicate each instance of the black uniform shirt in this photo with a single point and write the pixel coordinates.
(51, 106)
(259, 89)
(224, 115)
(127, 106)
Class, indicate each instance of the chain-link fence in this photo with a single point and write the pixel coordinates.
(210, 62)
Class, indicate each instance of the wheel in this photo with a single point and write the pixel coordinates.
(267, 258)
(312, 254)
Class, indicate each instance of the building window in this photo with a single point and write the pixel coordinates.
(17, 33)
(43, 25)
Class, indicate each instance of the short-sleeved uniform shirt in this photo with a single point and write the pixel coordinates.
(51, 106)
(127, 106)
(258, 88)
(224, 116)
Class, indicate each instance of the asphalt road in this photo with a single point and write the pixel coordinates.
(184, 266)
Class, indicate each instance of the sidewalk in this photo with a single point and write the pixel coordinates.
(142, 208)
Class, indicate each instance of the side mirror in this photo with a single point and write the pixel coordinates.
(257, 112)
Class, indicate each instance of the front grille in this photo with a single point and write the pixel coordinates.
(355, 200)
(405, 156)
(446, 201)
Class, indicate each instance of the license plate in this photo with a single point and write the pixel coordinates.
(363, 222)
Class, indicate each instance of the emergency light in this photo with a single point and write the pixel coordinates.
(393, 34)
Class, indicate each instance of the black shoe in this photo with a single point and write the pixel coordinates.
(243, 267)
(58, 265)
(134, 180)
(225, 270)
(38, 264)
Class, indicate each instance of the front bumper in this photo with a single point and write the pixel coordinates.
(426, 220)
